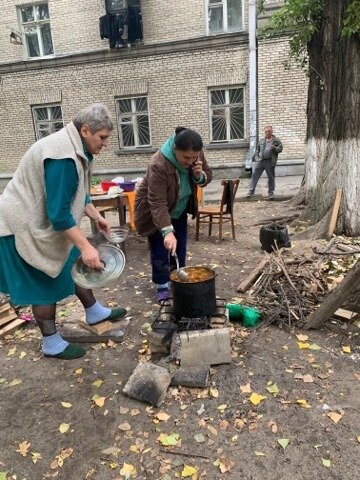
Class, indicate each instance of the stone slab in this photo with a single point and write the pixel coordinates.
(148, 383)
(196, 377)
(205, 347)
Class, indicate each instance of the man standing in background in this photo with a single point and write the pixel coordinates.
(265, 158)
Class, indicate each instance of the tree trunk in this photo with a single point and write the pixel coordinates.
(333, 140)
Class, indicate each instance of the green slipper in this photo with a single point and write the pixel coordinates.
(71, 351)
(116, 314)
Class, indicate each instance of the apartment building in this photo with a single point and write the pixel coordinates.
(156, 65)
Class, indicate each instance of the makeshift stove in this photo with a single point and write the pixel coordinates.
(167, 320)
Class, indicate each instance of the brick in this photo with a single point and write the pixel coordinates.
(197, 377)
(205, 347)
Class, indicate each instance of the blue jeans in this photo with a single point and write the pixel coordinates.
(257, 171)
(161, 261)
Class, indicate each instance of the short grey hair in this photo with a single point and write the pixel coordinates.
(96, 116)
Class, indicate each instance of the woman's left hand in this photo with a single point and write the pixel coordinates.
(196, 168)
(102, 224)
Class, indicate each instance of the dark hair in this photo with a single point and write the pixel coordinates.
(187, 139)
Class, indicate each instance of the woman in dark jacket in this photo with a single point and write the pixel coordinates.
(166, 195)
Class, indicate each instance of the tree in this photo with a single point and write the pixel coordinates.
(324, 37)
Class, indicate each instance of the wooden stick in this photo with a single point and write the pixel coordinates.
(335, 212)
(335, 298)
(186, 454)
(245, 284)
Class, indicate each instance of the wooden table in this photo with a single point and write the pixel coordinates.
(118, 203)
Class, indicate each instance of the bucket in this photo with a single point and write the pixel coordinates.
(247, 316)
(194, 298)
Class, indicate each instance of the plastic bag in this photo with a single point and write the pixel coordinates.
(274, 236)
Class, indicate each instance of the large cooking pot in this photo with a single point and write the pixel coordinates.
(196, 297)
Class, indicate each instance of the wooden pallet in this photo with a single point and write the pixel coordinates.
(9, 321)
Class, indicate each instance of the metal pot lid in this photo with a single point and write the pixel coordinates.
(113, 260)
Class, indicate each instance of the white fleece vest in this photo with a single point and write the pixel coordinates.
(23, 203)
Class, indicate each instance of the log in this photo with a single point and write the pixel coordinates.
(335, 212)
(335, 299)
(245, 284)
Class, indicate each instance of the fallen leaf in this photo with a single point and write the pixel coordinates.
(212, 430)
(283, 442)
(303, 403)
(15, 382)
(11, 351)
(64, 427)
(22, 355)
(273, 426)
(36, 456)
(99, 401)
(314, 347)
(326, 462)
(358, 438)
(308, 378)
(335, 416)
(256, 398)
(98, 383)
(3, 475)
(303, 346)
(346, 349)
(128, 469)
(124, 410)
(245, 388)
(134, 412)
(214, 392)
(272, 388)
(66, 404)
(224, 465)
(168, 440)
(188, 471)
(111, 451)
(79, 371)
(222, 407)
(260, 454)
(125, 426)
(162, 416)
(302, 337)
(199, 438)
(23, 448)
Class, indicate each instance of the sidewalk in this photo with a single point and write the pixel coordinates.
(285, 188)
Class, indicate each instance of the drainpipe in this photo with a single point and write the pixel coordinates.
(252, 83)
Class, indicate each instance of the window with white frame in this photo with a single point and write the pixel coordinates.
(225, 16)
(35, 24)
(133, 122)
(227, 114)
(47, 120)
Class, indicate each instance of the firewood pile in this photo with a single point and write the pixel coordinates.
(289, 289)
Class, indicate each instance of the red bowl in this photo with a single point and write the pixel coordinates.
(106, 185)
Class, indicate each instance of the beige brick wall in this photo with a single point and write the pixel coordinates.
(177, 92)
(282, 97)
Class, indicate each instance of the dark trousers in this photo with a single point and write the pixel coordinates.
(161, 263)
(257, 171)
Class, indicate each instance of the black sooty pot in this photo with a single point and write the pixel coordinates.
(195, 298)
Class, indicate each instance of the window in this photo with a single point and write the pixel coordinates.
(227, 114)
(133, 121)
(47, 120)
(35, 23)
(115, 6)
(224, 16)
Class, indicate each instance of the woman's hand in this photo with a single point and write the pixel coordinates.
(90, 256)
(170, 243)
(196, 168)
(102, 224)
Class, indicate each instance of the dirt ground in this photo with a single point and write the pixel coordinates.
(308, 426)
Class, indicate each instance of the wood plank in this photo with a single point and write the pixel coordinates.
(97, 329)
(335, 212)
(245, 284)
(346, 314)
(335, 299)
(11, 327)
(8, 318)
(4, 307)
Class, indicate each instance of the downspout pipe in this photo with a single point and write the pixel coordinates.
(253, 103)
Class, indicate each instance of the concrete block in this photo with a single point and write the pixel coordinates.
(148, 383)
(159, 342)
(197, 377)
(205, 347)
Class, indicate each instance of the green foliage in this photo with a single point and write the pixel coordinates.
(352, 20)
(95, 181)
(300, 20)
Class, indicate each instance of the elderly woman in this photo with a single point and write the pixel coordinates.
(166, 195)
(40, 214)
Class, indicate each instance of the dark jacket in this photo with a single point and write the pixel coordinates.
(259, 152)
(158, 194)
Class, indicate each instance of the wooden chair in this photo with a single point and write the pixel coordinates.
(216, 214)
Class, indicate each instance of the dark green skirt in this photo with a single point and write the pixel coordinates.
(28, 286)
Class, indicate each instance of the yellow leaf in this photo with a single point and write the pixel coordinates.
(22, 355)
(99, 401)
(79, 371)
(256, 398)
(335, 416)
(346, 349)
(35, 456)
(214, 392)
(188, 471)
(303, 403)
(260, 454)
(11, 351)
(302, 337)
(222, 407)
(15, 382)
(128, 469)
(23, 448)
(134, 448)
(113, 465)
(66, 404)
(162, 416)
(64, 427)
(98, 383)
(358, 438)
(303, 346)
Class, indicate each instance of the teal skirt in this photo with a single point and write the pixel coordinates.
(28, 286)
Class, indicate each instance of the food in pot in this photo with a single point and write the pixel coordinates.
(196, 275)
